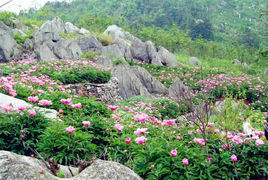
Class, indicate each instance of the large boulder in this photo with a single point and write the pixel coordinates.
(194, 61)
(177, 89)
(15, 166)
(136, 81)
(167, 58)
(119, 35)
(139, 50)
(70, 28)
(104, 61)
(67, 49)
(114, 51)
(8, 46)
(5, 99)
(88, 43)
(152, 53)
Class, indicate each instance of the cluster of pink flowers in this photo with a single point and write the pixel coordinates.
(141, 117)
(45, 103)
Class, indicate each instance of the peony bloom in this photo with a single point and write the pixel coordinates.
(210, 124)
(209, 158)
(33, 99)
(185, 162)
(119, 127)
(179, 137)
(45, 103)
(234, 158)
(86, 123)
(22, 131)
(32, 112)
(77, 106)
(70, 129)
(21, 108)
(259, 142)
(128, 140)
(142, 117)
(200, 141)
(66, 101)
(152, 166)
(174, 152)
(41, 171)
(127, 108)
(216, 131)
(141, 131)
(40, 91)
(6, 107)
(168, 122)
(141, 140)
(113, 108)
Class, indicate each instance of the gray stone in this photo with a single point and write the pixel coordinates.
(8, 46)
(105, 61)
(236, 61)
(89, 43)
(152, 53)
(18, 31)
(67, 49)
(194, 61)
(113, 51)
(28, 44)
(20, 25)
(167, 58)
(20, 167)
(70, 28)
(139, 50)
(220, 105)
(83, 31)
(45, 51)
(177, 89)
(266, 71)
(119, 35)
(5, 99)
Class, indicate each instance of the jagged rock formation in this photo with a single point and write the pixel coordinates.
(15, 166)
(194, 61)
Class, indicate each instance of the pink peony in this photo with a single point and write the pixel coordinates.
(21, 108)
(185, 162)
(22, 131)
(32, 112)
(179, 137)
(119, 127)
(142, 117)
(70, 129)
(174, 152)
(152, 166)
(234, 158)
(66, 101)
(200, 141)
(33, 99)
(126, 108)
(77, 106)
(168, 122)
(6, 107)
(141, 140)
(259, 142)
(210, 124)
(128, 140)
(141, 131)
(45, 103)
(216, 131)
(86, 123)
(113, 108)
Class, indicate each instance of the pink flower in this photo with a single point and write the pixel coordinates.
(32, 112)
(128, 140)
(179, 137)
(259, 142)
(140, 140)
(41, 171)
(80, 92)
(77, 106)
(185, 162)
(70, 129)
(22, 131)
(6, 107)
(119, 127)
(234, 158)
(40, 91)
(66, 101)
(21, 108)
(86, 123)
(126, 108)
(216, 131)
(113, 108)
(200, 141)
(174, 152)
(142, 117)
(152, 166)
(141, 131)
(168, 122)
(33, 99)
(259, 133)
(209, 159)
(210, 124)
(45, 103)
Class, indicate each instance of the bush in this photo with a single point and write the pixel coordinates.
(90, 55)
(6, 17)
(105, 39)
(11, 137)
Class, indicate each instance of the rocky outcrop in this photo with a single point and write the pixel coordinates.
(107, 93)
(15, 166)
(8, 46)
(70, 28)
(177, 89)
(194, 61)
(136, 81)
(5, 99)
(167, 58)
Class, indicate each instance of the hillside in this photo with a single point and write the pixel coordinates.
(220, 20)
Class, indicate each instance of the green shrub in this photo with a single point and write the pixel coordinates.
(90, 55)
(68, 36)
(20, 39)
(10, 131)
(105, 39)
(6, 17)
(118, 61)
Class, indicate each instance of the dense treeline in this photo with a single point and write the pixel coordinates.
(206, 28)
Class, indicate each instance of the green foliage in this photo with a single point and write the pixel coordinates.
(68, 36)
(64, 147)
(105, 39)
(6, 17)
(20, 38)
(11, 135)
(90, 55)
(117, 61)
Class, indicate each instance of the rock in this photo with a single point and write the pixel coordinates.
(194, 61)
(8, 46)
(5, 99)
(105, 61)
(45, 51)
(152, 53)
(83, 31)
(119, 35)
(177, 89)
(167, 58)
(149, 82)
(20, 25)
(114, 51)
(15, 166)
(67, 49)
(219, 106)
(70, 28)
(236, 61)
(18, 31)
(1, 72)
(266, 71)
(139, 50)
(28, 44)
(89, 43)
(245, 64)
